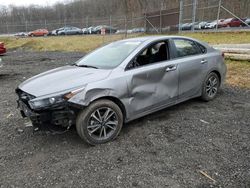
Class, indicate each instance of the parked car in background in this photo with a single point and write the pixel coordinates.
(246, 20)
(90, 30)
(21, 34)
(121, 82)
(188, 26)
(55, 31)
(185, 26)
(213, 24)
(232, 22)
(84, 31)
(2, 48)
(200, 25)
(129, 31)
(38, 32)
(69, 30)
(138, 30)
(108, 29)
(121, 31)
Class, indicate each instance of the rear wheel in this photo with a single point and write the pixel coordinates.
(101, 122)
(210, 87)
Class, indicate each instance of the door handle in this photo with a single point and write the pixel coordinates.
(171, 68)
(203, 61)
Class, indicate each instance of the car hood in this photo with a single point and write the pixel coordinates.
(62, 79)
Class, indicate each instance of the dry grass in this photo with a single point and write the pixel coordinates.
(222, 38)
(61, 43)
(238, 74)
(90, 42)
(238, 71)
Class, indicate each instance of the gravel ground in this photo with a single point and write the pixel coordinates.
(166, 149)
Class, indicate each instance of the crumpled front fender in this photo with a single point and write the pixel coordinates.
(84, 98)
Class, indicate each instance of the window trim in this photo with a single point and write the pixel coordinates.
(167, 41)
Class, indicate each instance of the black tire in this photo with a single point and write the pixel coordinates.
(85, 117)
(210, 88)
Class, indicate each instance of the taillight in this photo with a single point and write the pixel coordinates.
(1, 44)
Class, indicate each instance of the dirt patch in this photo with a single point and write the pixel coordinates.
(165, 149)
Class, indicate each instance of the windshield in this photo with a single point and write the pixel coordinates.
(109, 56)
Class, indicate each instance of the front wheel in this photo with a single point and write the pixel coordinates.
(99, 123)
(210, 87)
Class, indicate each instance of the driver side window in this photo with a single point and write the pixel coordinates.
(155, 53)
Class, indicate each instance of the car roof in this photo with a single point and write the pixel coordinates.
(149, 39)
(154, 38)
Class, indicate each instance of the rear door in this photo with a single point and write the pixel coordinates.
(192, 66)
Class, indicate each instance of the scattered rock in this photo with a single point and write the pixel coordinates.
(20, 130)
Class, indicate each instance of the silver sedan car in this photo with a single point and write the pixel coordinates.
(120, 82)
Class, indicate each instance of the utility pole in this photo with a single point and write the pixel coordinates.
(194, 13)
(7, 28)
(45, 24)
(160, 21)
(218, 14)
(145, 22)
(110, 24)
(87, 22)
(180, 15)
(26, 26)
(126, 29)
(161, 6)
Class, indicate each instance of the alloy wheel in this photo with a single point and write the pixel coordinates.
(102, 123)
(212, 86)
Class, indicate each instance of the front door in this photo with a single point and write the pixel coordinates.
(152, 79)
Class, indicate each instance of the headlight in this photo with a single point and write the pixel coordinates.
(41, 103)
(53, 100)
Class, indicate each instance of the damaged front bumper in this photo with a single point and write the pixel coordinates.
(62, 115)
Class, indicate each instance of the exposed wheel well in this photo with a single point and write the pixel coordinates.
(117, 102)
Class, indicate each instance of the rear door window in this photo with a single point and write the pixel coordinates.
(187, 48)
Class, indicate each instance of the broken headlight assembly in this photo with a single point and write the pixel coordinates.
(45, 102)
(39, 103)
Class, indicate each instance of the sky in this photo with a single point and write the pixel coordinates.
(29, 2)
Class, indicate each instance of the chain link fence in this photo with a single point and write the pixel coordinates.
(190, 15)
(214, 15)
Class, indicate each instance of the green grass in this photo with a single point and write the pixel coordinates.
(90, 42)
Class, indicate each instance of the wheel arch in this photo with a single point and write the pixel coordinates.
(217, 73)
(117, 101)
